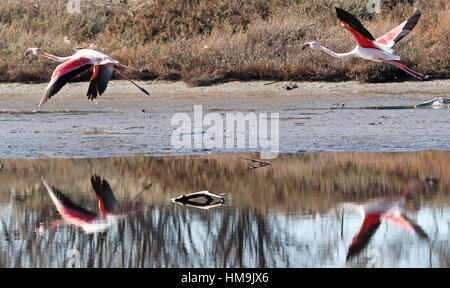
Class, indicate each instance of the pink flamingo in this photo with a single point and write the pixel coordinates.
(71, 66)
(368, 47)
(375, 211)
(90, 222)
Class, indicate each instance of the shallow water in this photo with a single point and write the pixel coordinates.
(270, 217)
(374, 118)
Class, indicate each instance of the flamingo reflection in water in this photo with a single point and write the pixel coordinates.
(375, 211)
(72, 214)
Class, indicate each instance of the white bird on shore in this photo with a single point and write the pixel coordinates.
(71, 66)
(66, 40)
(368, 47)
(440, 102)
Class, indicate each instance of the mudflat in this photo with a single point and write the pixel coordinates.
(313, 116)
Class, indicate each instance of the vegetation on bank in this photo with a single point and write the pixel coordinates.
(206, 41)
(293, 182)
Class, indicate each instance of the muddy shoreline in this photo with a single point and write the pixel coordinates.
(126, 122)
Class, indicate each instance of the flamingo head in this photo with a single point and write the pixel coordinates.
(35, 51)
(312, 45)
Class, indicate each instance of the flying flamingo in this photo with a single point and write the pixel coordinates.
(368, 47)
(88, 221)
(71, 66)
(375, 211)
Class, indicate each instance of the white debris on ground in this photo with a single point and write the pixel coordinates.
(435, 103)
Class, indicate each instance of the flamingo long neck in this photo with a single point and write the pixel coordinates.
(346, 205)
(420, 185)
(337, 55)
(55, 58)
(353, 207)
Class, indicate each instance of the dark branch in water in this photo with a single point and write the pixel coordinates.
(209, 197)
(258, 163)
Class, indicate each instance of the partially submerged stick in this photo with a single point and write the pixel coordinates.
(258, 162)
(208, 204)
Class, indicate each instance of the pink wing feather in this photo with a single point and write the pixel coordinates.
(63, 73)
(389, 39)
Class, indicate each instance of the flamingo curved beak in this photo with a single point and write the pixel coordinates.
(305, 46)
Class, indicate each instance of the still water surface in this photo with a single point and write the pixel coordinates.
(286, 214)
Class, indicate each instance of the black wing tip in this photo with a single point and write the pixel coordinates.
(342, 13)
(362, 242)
(92, 90)
(354, 23)
(98, 85)
(96, 182)
(412, 21)
(422, 234)
(99, 182)
(418, 13)
(95, 177)
(345, 16)
(409, 26)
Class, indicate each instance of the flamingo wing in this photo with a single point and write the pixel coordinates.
(107, 203)
(392, 37)
(99, 81)
(63, 73)
(67, 208)
(360, 241)
(407, 224)
(362, 36)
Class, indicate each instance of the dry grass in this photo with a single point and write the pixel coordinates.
(203, 41)
(294, 182)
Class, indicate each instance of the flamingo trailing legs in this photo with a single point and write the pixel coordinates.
(368, 47)
(71, 66)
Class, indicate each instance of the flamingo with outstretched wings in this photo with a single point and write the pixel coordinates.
(368, 47)
(73, 214)
(377, 211)
(83, 59)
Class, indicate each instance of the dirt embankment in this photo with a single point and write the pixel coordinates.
(312, 117)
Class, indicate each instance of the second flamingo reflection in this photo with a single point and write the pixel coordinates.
(375, 211)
